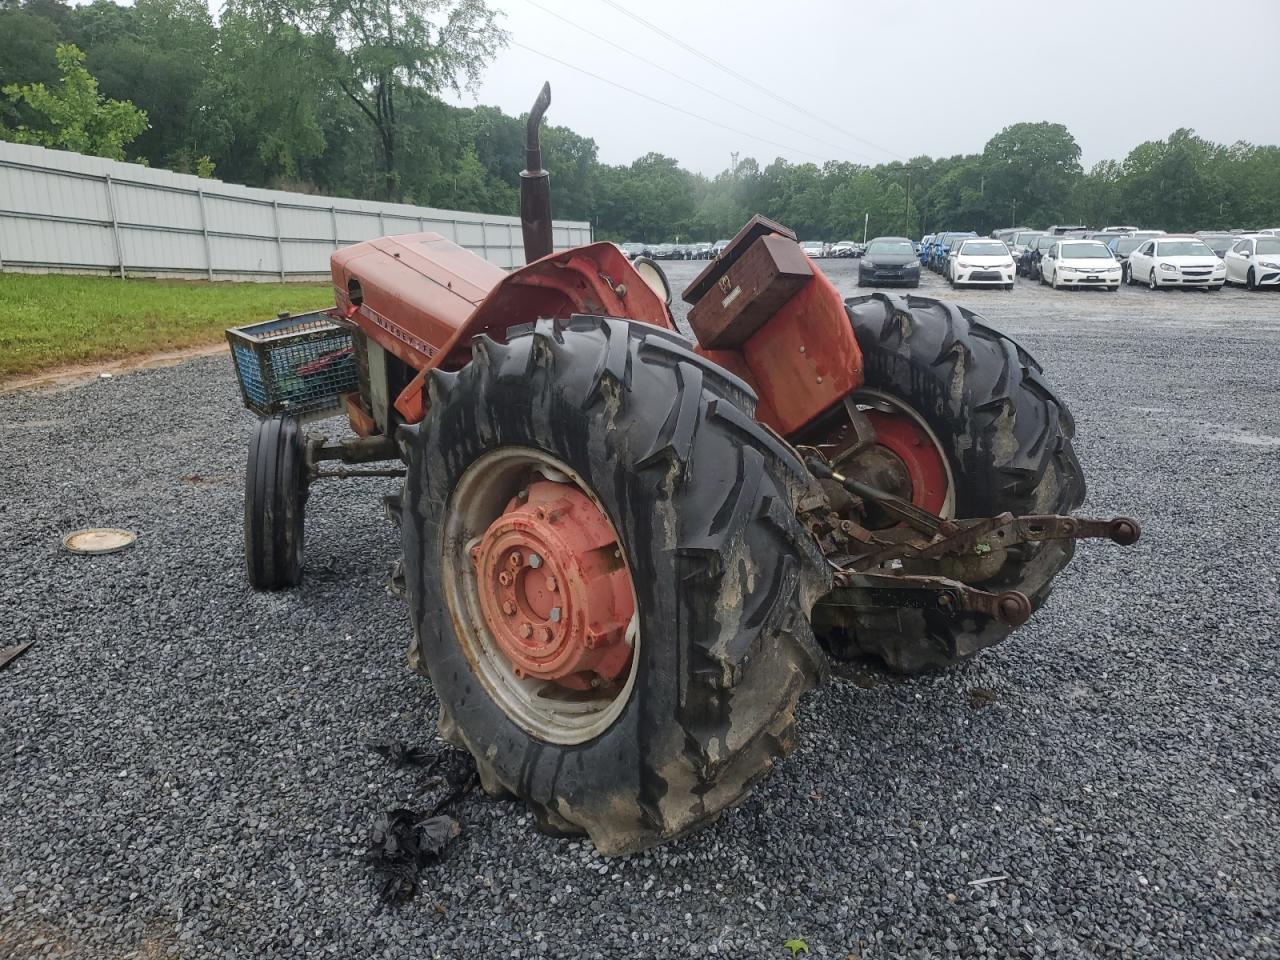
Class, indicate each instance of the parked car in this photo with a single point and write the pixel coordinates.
(1007, 233)
(889, 260)
(1148, 233)
(1176, 262)
(923, 248)
(942, 246)
(1030, 261)
(717, 248)
(1219, 243)
(1020, 243)
(1254, 261)
(981, 262)
(1121, 247)
(1117, 229)
(633, 250)
(815, 249)
(844, 249)
(1062, 229)
(1080, 263)
(662, 251)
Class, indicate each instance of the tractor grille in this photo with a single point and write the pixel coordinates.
(298, 365)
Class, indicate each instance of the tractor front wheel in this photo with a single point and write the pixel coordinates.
(979, 432)
(275, 497)
(608, 585)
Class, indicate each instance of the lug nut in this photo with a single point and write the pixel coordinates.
(535, 561)
(515, 560)
(526, 631)
(504, 578)
(544, 634)
(555, 614)
(552, 585)
(508, 608)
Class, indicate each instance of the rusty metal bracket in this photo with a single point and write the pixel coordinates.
(896, 507)
(1003, 531)
(949, 597)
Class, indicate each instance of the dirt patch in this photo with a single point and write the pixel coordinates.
(76, 374)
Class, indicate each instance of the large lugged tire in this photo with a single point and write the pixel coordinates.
(1007, 439)
(275, 498)
(701, 500)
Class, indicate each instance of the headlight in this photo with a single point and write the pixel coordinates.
(963, 265)
(868, 263)
(1007, 266)
(1267, 264)
(1169, 266)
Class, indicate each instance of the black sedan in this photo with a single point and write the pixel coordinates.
(889, 260)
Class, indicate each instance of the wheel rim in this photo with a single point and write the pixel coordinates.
(904, 433)
(1151, 281)
(496, 582)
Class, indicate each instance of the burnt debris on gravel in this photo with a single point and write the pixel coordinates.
(403, 842)
(185, 769)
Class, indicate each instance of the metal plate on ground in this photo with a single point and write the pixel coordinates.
(98, 540)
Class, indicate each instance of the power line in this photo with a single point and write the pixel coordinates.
(747, 80)
(663, 103)
(692, 83)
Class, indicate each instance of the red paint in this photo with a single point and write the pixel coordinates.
(555, 592)
(926, 469)
(803, 361)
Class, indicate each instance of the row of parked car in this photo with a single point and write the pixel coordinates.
(1071, 255)
(673, 251)
(708, 251)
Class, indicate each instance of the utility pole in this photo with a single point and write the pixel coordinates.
(733, 163)
(906, 213)
(866, 217)
(1013, 218)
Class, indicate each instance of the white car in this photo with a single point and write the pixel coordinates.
(814, 248)
(1080, 263)
(1177, 262)
(979, 261)
(1254, 261)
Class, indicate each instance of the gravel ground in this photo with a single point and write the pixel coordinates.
(184, 771)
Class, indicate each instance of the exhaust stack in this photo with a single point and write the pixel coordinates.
(535, 186)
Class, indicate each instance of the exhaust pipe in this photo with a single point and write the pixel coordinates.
(535, 186)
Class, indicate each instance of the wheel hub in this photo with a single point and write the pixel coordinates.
(915, 459)
(554, 590)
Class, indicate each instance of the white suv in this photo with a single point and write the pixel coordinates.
(1177, 262)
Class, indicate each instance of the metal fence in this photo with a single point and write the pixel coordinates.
(68, 213)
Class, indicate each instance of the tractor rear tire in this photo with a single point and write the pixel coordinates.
(701, 499)
(1007, 439)
(275, 499)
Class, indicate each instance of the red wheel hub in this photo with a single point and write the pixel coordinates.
(909, 442)
(555, 591)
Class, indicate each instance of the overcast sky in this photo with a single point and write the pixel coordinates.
(875, 82)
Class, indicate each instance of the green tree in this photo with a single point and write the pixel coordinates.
(384, 52)
(75, 116)
(1035, 164)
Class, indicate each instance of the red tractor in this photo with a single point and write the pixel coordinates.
(627, 553)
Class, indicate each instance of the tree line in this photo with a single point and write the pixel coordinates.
(343, 97)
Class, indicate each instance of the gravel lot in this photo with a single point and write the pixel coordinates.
(184, 771)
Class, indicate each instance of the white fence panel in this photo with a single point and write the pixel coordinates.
(67, 212)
